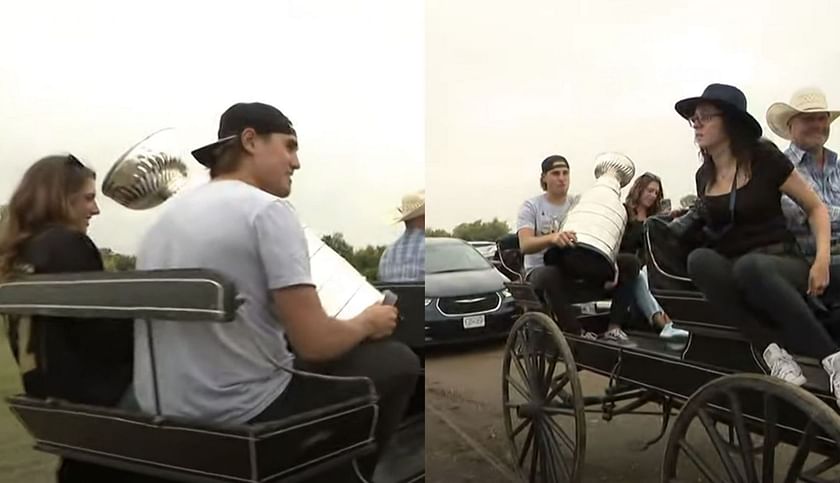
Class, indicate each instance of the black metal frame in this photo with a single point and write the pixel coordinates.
(83, 295)
(672, 374)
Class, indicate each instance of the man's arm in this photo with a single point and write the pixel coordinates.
(285, 257)
(315, 336)
(530, 243)
(526, 228)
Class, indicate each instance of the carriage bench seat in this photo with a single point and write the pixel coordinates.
(293, 449)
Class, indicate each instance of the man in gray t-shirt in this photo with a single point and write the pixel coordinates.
(544, 216)
(240, 225)
(539, 228)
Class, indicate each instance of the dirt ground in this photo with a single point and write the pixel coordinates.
(463, 385)
(465, 436)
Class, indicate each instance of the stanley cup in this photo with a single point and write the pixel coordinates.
(152, 171)
(599, 217)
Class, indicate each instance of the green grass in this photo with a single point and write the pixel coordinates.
(19, 463)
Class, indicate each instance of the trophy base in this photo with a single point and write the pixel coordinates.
(582, 262)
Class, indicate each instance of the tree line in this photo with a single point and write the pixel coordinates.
(365, 259)
(480, 230)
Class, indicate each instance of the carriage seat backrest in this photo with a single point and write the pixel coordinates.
(511, 259)
(666, 256)
(410, 296)
(335, 431)
(178, 295)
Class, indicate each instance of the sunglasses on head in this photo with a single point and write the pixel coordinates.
(74, 161)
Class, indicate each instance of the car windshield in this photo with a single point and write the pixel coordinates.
(453, 257)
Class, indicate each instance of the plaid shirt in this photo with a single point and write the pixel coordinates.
(826, 183)
(405, 260)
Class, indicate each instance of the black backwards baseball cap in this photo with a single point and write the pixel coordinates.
(554, 161)
(264, 119)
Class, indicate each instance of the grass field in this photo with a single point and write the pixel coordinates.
(19, 463)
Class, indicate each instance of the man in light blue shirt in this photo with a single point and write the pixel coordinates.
(405, 259)
(805, 123)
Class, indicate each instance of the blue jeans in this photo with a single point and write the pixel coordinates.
(642, 298)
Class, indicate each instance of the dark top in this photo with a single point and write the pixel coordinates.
(633, 239)
(81, 360)
(757, 220)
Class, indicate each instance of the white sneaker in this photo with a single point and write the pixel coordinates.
(831, 364)
(671, 332)
(588, 335)
(616, 334)
(783, 366)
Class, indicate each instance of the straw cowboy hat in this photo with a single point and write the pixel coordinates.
(805, 100)
(413, 205)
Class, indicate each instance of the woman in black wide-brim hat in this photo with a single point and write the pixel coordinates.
(751, 267)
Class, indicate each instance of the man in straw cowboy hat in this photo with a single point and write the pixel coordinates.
(240, 224)
(405, 260)
(805, 123)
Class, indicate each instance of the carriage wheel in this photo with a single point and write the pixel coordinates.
(543, 402)
(782, 433)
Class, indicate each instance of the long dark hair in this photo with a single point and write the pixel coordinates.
(43, 197)
(634, 196)
(746, 147)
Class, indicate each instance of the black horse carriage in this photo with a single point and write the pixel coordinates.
(733, 422)
(300, 448)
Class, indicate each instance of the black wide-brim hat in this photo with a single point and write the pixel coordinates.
(727, 98)
(261, 117)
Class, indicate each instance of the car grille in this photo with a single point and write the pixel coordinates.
(469, 304)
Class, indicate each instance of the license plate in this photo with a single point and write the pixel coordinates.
(474, 322)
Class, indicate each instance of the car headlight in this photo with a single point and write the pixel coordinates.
(428, 301)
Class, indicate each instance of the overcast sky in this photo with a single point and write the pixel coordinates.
(93, 78)
(509, 83)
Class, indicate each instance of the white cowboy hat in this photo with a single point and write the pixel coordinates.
(413, 205)
(805, 100)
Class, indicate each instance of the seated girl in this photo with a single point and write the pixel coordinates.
(87, 361)
(751, 267)
(644, 200)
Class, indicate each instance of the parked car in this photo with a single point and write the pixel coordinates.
(466, 298)
(487, 249)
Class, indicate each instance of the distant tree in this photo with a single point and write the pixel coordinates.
(688, 201)
(437, 233)
(480, 230)
(337, 242)
(117, 262)
(366, 260)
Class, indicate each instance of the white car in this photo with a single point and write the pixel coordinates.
(485, 248)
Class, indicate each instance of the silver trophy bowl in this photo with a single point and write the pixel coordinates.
(147, 174)
(599, 217)
(150, 173)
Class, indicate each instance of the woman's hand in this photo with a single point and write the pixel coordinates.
(818, 277)
(614, 282)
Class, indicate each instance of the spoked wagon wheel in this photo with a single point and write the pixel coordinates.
(543, 403)
(782, 433)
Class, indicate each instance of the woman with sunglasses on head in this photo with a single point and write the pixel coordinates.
(87, 361)
(643, 201)
(751, 267)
